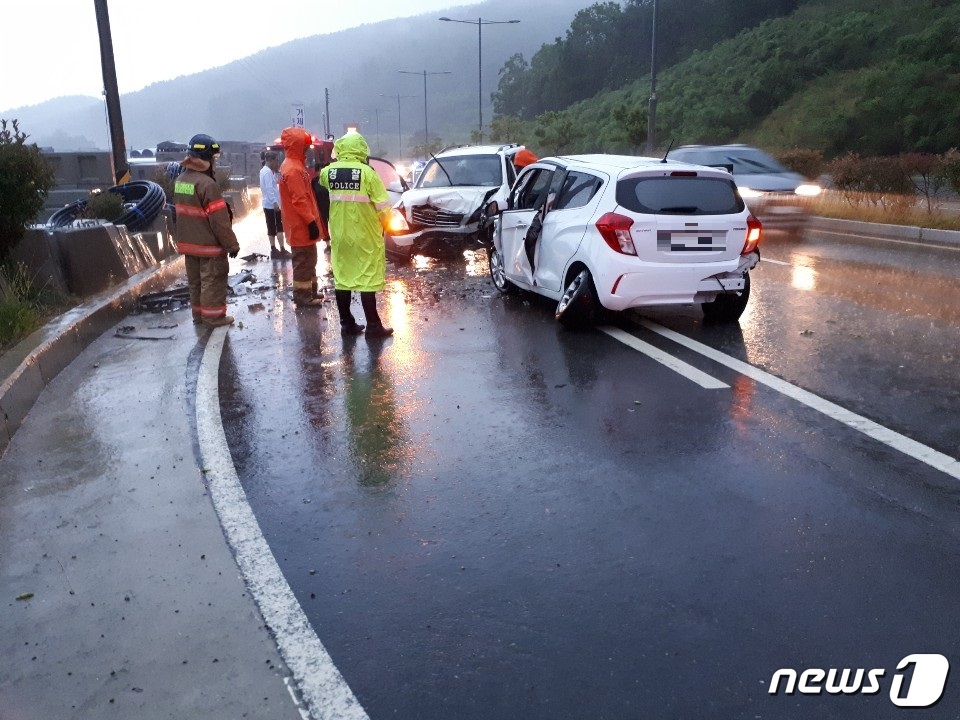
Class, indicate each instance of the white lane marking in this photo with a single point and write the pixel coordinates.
(918, 451)
(775, 262)
(688, 371)
(326, 693)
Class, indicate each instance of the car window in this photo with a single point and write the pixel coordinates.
(741, 161)
(388, 174)
(577, 190)
(751, 161)
(679, 195)
(533, 191)
(466, 170)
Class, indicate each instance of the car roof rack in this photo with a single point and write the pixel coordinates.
(507, 146)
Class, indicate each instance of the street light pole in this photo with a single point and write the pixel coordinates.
(426, 131)
(480, 22)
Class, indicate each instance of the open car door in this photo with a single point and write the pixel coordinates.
(520, 224)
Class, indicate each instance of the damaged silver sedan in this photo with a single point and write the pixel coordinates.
(443, 212)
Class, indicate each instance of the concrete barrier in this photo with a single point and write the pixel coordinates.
(90, 257)
(907, 233)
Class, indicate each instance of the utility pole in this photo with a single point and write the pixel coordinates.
(118, 146)
(652, 114)
(326, 128)
(426, 130)
(399, 131)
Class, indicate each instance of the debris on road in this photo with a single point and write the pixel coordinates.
(127, 332)
(164, 301)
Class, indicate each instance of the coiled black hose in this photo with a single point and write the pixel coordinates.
(144, 200)
(67, 214)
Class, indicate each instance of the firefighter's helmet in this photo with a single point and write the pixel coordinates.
(203, 147)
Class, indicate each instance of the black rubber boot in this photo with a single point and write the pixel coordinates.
(348, 324)
(375, 328)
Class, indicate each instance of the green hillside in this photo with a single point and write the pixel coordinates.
(878, 78)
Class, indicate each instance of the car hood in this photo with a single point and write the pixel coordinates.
(463, 200)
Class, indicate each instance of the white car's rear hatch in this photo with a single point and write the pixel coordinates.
(683, 216)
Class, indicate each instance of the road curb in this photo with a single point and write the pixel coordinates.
(28, 367)
(905, 233)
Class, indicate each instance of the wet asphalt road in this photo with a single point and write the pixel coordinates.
(487, 516)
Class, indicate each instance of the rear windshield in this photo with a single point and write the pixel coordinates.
(679, 195)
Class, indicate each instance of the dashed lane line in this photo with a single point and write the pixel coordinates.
(323, 688)
(901, 443)
(688, 371)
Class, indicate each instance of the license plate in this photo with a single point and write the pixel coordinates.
(691, 241)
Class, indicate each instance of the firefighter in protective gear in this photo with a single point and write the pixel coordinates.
(203, 232)
(301, 218)
(359, 205)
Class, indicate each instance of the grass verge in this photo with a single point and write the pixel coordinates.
(25, 305)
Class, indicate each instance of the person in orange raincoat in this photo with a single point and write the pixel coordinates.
(301, 217)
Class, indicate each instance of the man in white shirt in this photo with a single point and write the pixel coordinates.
(270, 199)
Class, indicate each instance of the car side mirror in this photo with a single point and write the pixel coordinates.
(492, 209)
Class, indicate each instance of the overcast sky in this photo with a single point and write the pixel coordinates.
(51, 47)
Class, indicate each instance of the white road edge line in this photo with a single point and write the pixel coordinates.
(901, 443)
(323, 688)
(688, 371)
(775, 262)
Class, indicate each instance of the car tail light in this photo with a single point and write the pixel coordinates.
(754, 235)
(615, 231)
(396, 223)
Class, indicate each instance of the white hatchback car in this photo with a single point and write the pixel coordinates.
(614, 232)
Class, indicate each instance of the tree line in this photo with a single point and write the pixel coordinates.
(835, 76)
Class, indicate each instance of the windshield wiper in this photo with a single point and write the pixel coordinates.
(440, 164)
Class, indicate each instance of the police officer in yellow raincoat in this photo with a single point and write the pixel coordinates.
(358, 205)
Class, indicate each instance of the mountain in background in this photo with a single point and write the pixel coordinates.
(875, 77)
(250, 99)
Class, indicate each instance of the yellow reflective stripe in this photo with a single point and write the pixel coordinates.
(184, 188)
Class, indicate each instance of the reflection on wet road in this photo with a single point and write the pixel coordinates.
(486, 516)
